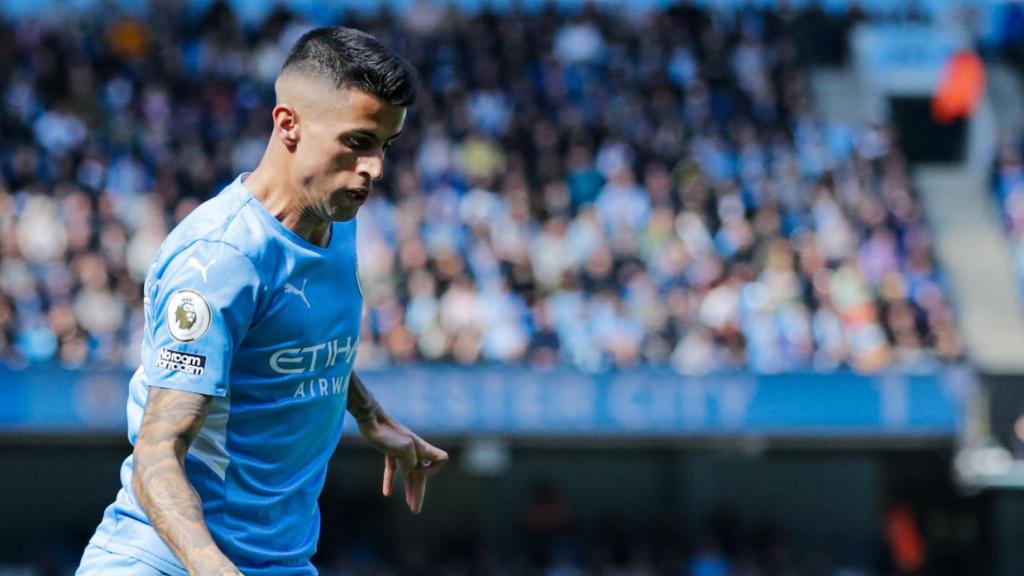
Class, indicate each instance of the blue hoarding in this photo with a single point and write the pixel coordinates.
(518, 401)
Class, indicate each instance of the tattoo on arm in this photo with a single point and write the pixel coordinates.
(170, 423)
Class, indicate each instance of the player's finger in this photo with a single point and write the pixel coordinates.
(432, 459)
(415, 490)
(428, 468)
(406, 455)
(390, 464)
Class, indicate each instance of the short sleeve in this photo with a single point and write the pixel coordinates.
(199, 310)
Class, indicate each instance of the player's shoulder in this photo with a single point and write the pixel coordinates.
(225, 224)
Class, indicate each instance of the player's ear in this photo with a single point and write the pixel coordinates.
(286, 125)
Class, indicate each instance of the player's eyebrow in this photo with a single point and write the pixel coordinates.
(369, 134)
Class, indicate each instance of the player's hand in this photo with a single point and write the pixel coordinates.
(405, 454)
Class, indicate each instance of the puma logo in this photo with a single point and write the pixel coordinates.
(290, 288)
(193, 263)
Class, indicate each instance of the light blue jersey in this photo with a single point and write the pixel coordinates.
(241, 308)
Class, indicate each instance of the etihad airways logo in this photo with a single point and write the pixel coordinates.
(320, 387)
(313, 358)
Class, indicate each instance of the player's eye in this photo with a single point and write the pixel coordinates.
(357, 143)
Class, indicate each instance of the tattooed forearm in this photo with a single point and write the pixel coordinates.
(361, 403)
(170, 423)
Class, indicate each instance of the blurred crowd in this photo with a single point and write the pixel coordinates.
(548, 538)
(1008, 184)
(598, 187)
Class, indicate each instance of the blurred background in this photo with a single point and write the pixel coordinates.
(704, 289)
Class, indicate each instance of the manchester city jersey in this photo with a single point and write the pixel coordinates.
(242, 309)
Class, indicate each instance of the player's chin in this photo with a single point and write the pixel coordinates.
(344, 207)
(343, 213)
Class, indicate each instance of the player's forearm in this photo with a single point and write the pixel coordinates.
(176, 513)
(361, 403)
(172, 420)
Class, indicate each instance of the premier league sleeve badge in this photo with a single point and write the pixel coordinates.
(188, 315)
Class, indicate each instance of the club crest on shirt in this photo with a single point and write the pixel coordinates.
(188, 315)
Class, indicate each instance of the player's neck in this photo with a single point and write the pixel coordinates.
(280, 201)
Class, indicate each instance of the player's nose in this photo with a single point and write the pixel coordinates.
(372, 167)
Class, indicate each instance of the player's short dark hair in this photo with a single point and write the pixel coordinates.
(349, 58)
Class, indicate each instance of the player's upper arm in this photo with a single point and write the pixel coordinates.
(199, 308)
(171, 420)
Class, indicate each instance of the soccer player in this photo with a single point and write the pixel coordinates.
(252, 311)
